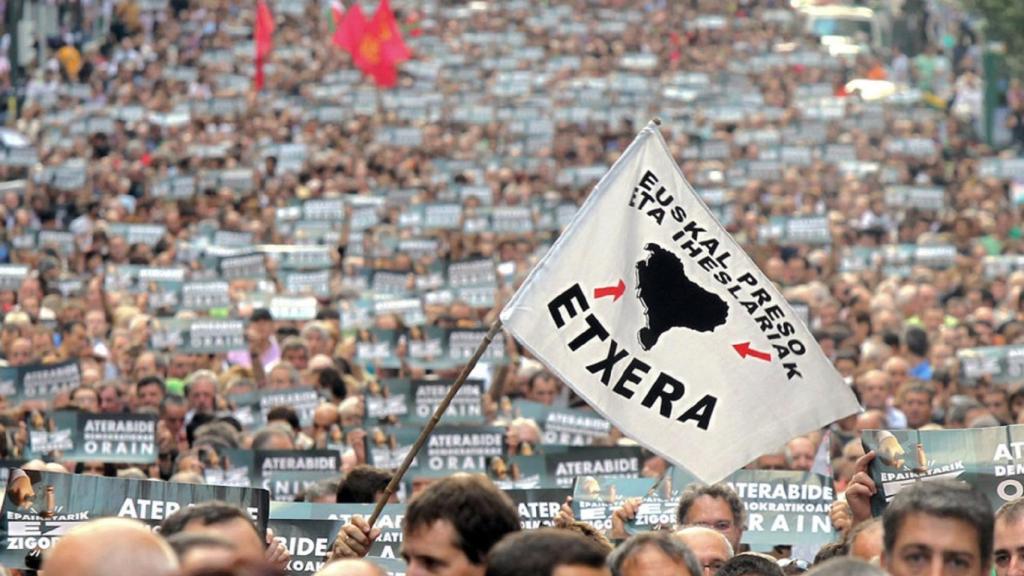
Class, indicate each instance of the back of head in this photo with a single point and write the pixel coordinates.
(238, 568)
(183, 543)
(663, 542)
(478, 511)
(540, 552)
(202, 550)
(362, 485)
(351, 567)
(749, 564)
(111, 547)
(943, 499)
(205, 514)
(865, 540)
(845, 566)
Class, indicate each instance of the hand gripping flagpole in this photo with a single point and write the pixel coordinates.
(452, 391)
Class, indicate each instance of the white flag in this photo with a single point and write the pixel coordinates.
(654, 314)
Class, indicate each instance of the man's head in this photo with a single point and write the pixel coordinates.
(751, 564)
(295, 352)
(941, 527)
(800, 453)
(150, 391)
(547, 552)
(542, 387)
(218, 519)
(873, 387)
(897, 369)
(74, 342)
(451, 526)
(653, 554)
(20, 352)
(172, 412)
(111, 547)
(865, 540)
(202, 551)
(201, 391)
(282, 377)
(844, 566)
(716, 507)
(274, 437)
(351, 568)
(363, 485)
(710, 546)
(914, 399)
(111, 398)
(85, 399)
(149, 364)
(1008, 553)
(997, 400)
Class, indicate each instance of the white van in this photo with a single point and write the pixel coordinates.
(846, 30)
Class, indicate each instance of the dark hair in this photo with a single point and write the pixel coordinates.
(539, 375)
(830, 550)
(362, 485)
(67, 327)
(716, 491)
(206, 514)
(845, 566)
(286, 413)
(330, 379)
(182, 543)
(480, 513)
(540, 552)
(152, 381)
(197, 420)
(671, 547)
(747, 564)
(172, 400)
(109, 469)
(941, 499)
(916, 341)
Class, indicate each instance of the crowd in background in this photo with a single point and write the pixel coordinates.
(507, 115)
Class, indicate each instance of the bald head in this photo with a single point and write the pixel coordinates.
(111, 547)
(711, 547)
(351, 568)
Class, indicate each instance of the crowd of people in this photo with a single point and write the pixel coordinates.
(346, 237)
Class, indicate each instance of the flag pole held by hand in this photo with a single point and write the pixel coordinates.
(397, 478)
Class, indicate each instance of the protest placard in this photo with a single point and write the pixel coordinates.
(39, 507)
(84, 437)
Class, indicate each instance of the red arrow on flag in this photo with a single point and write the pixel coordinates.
(617, 291)
(745, 350)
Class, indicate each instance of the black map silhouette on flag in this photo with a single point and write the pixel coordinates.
(671, 299)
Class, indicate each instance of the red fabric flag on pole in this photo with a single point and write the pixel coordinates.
(350, 28)
(385, 28)
(369, 57)
(263, 35)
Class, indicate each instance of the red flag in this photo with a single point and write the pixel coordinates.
(350, 29)
(385, 28)
(369, 57)
(263, 36)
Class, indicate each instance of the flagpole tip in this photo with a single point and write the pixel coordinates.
(656, 120)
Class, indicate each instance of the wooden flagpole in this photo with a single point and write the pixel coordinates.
(441, 408)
